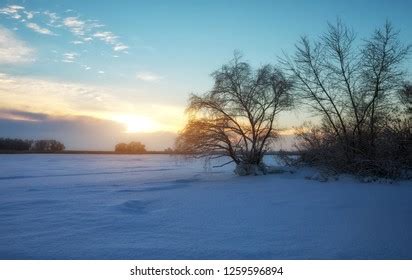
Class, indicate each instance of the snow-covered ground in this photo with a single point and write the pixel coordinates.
(160, 207)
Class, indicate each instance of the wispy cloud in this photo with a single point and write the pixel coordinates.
(29, 15)
(84, 30)
(106, 36)
(75, 25)
(12, 49)
(111, 39)
(120, 47)
(20, 13)
(68, 98)
(35, 27)
(13, 11)
(53, 18)
(69, 57)
(148, 76)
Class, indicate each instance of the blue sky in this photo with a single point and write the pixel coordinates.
(121, 60)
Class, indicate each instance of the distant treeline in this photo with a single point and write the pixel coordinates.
(20, 145)
(136, 147)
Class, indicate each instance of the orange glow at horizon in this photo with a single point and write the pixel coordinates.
(134, 123)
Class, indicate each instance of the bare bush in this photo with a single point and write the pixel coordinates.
(405, 95)
(354, 91)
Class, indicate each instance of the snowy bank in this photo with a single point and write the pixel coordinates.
(159, 207)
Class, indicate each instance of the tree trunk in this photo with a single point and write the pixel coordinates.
(245, 169)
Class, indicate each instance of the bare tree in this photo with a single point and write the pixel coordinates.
(237, 117)
(353, 89)
(382, 77)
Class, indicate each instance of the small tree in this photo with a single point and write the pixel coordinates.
(237, 117)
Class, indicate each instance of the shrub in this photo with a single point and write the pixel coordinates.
(47, 146)
(132, 147)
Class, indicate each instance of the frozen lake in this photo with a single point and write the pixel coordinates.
(159, 207)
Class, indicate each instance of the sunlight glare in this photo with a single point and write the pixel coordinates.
(135, 123)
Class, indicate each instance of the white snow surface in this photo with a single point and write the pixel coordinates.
(162, 207)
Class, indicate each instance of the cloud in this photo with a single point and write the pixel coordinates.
(21, 14)
(13, 50)
(38, 95)
(120, 47)
(83, 29)
(53, 18)
(65, 98)
(77, 42)
(69, 57)
(89, 29)
(29, 15)
(12, 114)
(148, 76)
(111, 39)
(100, 72)
(75, 25)
(35, 27)
(17, 12)
(12, 11)
(106, 36)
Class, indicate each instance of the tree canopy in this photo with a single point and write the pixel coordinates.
(236, 118)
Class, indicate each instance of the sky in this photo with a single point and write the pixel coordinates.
(92, 73)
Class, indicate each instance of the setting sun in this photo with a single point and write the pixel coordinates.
(135, 124)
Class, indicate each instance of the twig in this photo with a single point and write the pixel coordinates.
(223, 164)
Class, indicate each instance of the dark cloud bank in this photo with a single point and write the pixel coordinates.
(77, 133)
